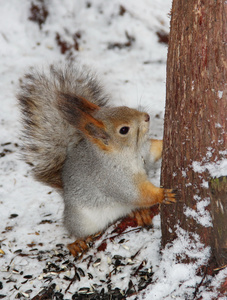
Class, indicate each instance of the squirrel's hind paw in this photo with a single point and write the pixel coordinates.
(78, 248)
(81, 246)
(170, 196)
(143, 217)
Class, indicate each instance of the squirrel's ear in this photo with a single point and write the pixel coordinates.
(97, 132)
(78, 112)
(76, 109)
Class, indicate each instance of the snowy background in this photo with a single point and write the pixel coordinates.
(125, 43)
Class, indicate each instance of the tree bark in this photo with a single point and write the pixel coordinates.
(218, 189)
(195, 118)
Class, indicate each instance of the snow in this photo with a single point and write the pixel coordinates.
(31, 229)
(200, 214)
(220, 94)
(216, 169)
(175, 280)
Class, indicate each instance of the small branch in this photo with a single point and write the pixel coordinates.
(75, 277)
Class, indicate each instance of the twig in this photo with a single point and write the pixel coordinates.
(75, 277)
(199, 284)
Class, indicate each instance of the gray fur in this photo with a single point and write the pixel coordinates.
(95, 180)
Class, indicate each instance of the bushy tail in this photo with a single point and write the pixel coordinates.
(46, 133)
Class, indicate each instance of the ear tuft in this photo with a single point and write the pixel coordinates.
(76, 110)
(79, 113)
(78, 102)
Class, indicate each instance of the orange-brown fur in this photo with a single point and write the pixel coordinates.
(156, 149)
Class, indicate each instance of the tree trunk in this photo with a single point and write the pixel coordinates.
(218, 188)
(195, 121)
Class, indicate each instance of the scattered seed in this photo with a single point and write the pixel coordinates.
(47, 215)
(40, 277)
(109, 260)
(31, 245)
(15, 287)
(117, 263)
(34, 249)
(81, 272)
(11, 280)
(58, 296)
(6, 144)
(84, 290)
(25, 295)
(121, 241)
(97, 263)
(18, 251)
(57, 288)
(46, 222)
(77, 276)
(67, 278)
(125, 247)
(8, 228)
(117, 257)
(12, 216)
(65, 262)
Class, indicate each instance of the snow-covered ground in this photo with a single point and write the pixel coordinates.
(119, 40)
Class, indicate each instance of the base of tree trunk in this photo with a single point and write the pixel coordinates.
(218, 194)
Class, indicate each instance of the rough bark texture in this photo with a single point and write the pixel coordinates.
(195, 118)
(218, 189)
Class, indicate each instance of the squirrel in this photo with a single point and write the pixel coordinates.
(95, 154)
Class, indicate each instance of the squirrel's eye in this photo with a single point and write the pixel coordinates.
(124, 130)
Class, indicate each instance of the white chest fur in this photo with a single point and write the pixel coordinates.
(95, 219)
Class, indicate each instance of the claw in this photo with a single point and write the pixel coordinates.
(78, 248)
(81, 246)
(143, 217)
(170, 196)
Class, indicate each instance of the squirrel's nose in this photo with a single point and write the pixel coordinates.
(147, 118)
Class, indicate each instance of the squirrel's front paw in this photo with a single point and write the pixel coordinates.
(170, 196)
